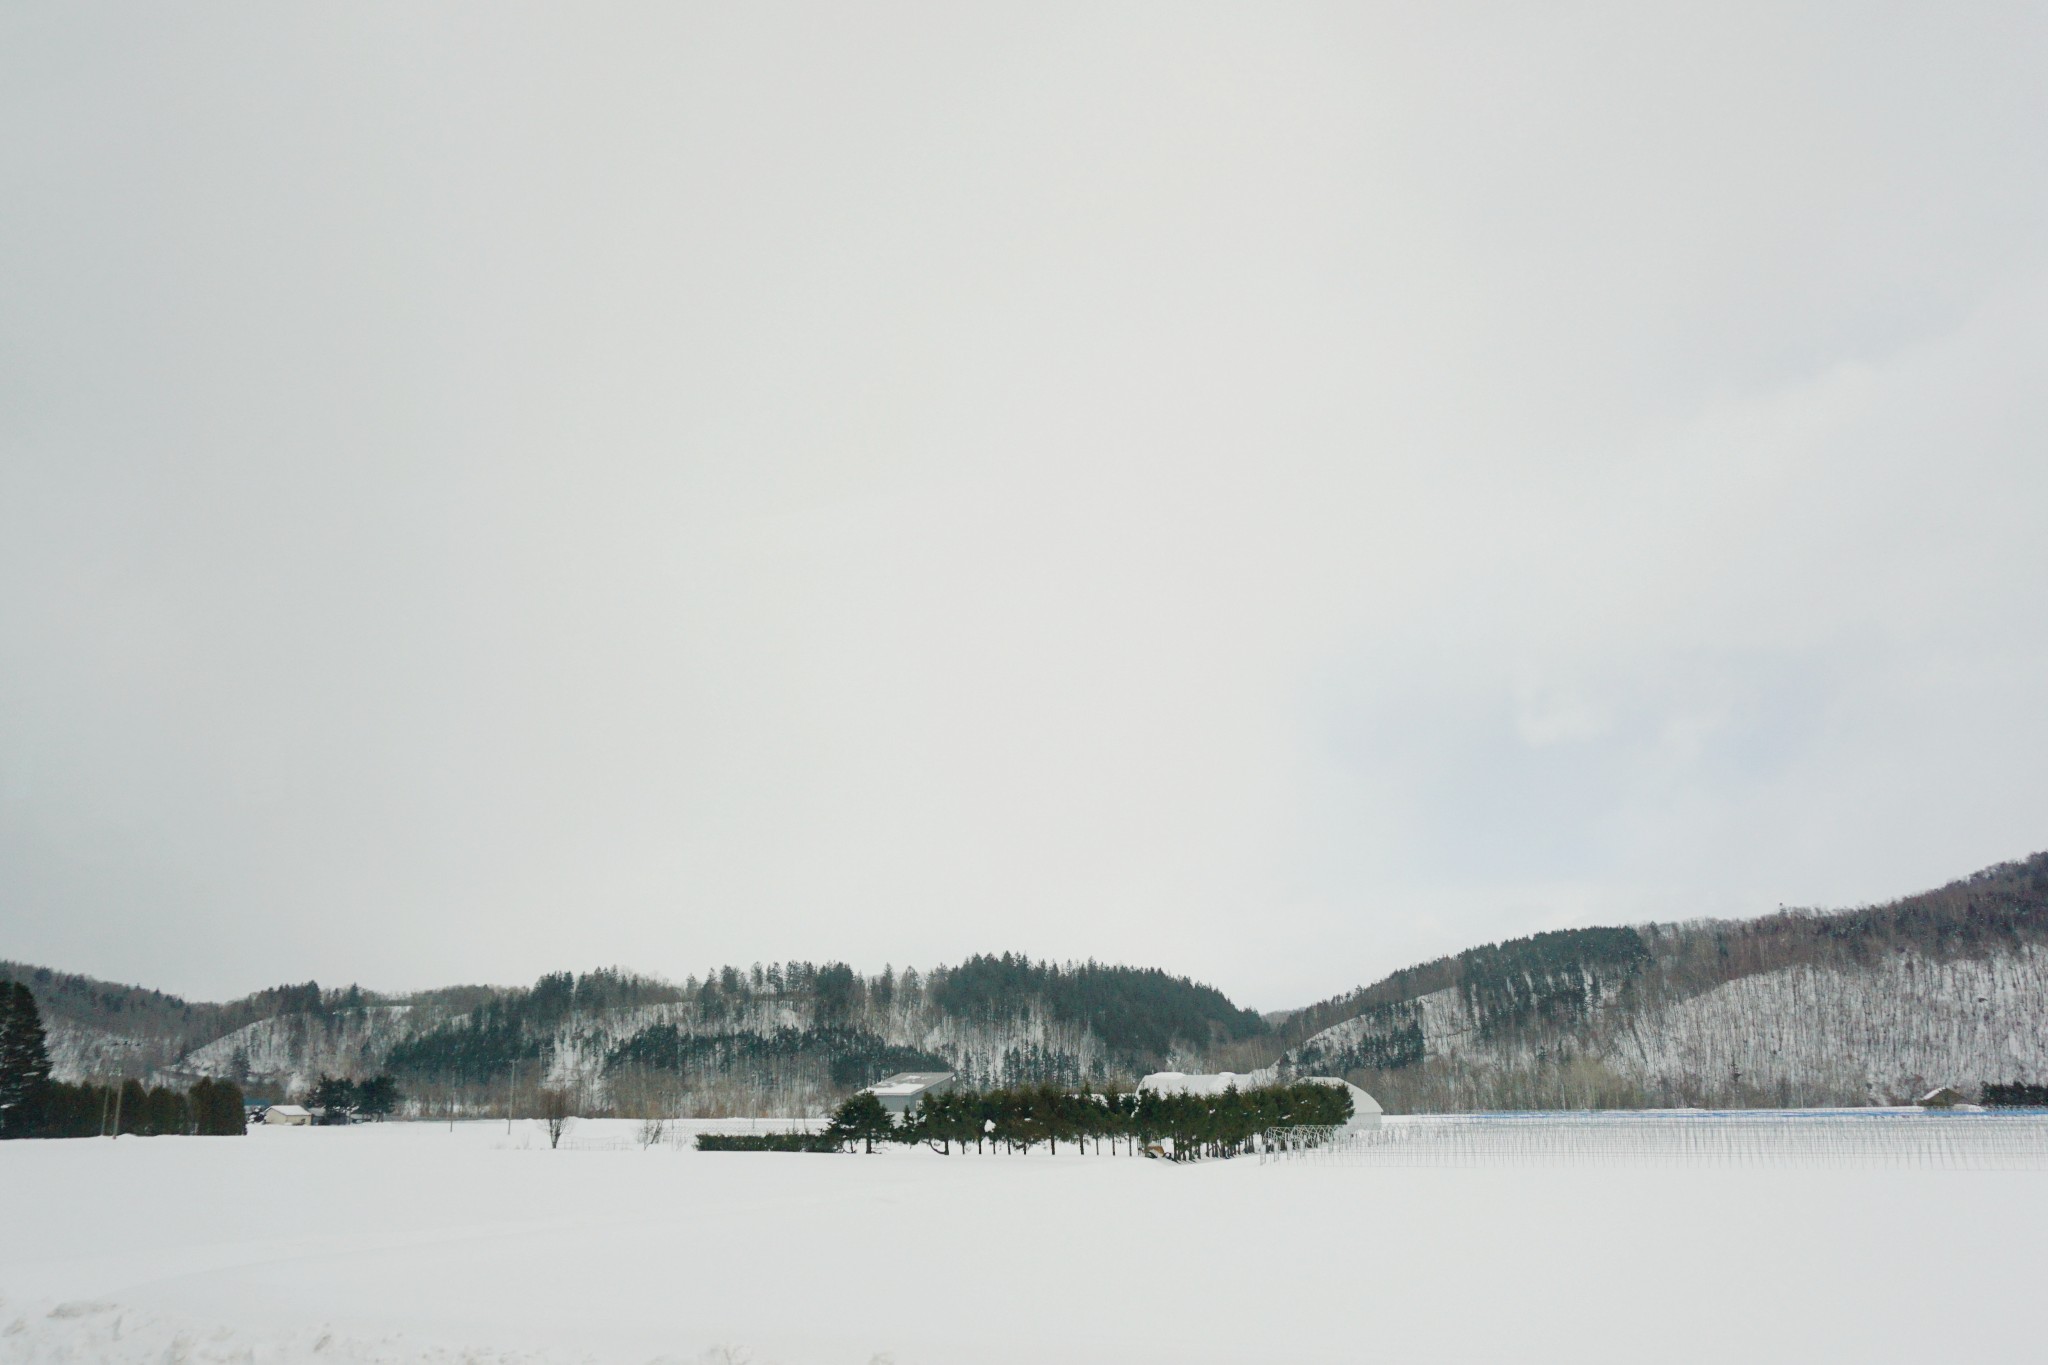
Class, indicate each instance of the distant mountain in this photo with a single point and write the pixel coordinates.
(1948, 987)
(98, 1028)
(780, 1038)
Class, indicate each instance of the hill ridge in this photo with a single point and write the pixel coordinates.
(1877, 1003)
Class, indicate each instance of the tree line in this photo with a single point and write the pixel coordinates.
(1140, 1012)
(209, 1108)
(2015, 1095)
(1017, 1120)
(827, 1011)
(34, 1106)
(850, 1056)
(340, 1099)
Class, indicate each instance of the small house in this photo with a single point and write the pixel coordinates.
(1942, 1097)
(900, 1093)
(288, 1115)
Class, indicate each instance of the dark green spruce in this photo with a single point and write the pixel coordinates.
(1018, 1120)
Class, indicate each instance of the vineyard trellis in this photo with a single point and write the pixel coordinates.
(1729, 1138)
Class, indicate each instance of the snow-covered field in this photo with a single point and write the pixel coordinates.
(405, 1242)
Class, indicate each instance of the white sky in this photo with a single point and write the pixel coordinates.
(1274, 492)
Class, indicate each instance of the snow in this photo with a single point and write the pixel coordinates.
(1891, 1028)
(294, 1050)
(910, 1083)
(79, 1052)
(290, 1052)
(412, 1242)
(1879, 1030)
(1209, 1083)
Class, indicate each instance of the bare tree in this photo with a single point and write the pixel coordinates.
(557, 1114)
(651, 1132)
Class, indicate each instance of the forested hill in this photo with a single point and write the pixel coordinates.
(1948, 987)
(1138, 1012)
(1808, 1007)
(128, 1030)
(771, 1038)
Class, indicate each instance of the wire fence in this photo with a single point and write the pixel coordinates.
(1987, 1142)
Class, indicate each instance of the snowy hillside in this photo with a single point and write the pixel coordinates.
(1947, 988)
(1896, 1028)
(783, 1038)
(292, 1051)
(80, 1050)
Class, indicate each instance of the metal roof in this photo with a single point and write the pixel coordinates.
(909, 1082)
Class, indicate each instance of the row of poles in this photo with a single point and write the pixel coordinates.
(1934, 1141)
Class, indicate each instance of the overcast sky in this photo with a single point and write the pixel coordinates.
(1275, 492)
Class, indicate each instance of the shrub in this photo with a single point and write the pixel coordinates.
(765, 1142)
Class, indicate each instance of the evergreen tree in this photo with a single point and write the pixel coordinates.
(833, 992)
(131, 1103)
(861, 1119)
(216, 1108)
(166, 1113)
(335, 1097)
(1138, 1012)
(24, 1061)
(378, 1096)
(2015, 1095)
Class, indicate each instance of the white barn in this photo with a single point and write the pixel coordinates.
(1365, 1110)
(900, 1093)
(290, 1115)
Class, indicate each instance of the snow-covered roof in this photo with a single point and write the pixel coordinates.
(290, 1110)
(909, 1082)
(1214, 1083)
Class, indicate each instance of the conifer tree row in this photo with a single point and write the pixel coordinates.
(1019, 1119)
(340, 1100)
(32, 1105)
(2015, 1095)
(24, 1060)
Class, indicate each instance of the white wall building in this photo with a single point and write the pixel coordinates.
(900, 1093)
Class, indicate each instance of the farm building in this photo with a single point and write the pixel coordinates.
(1365, 1110)
(289, 1115)
(900, 1093)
